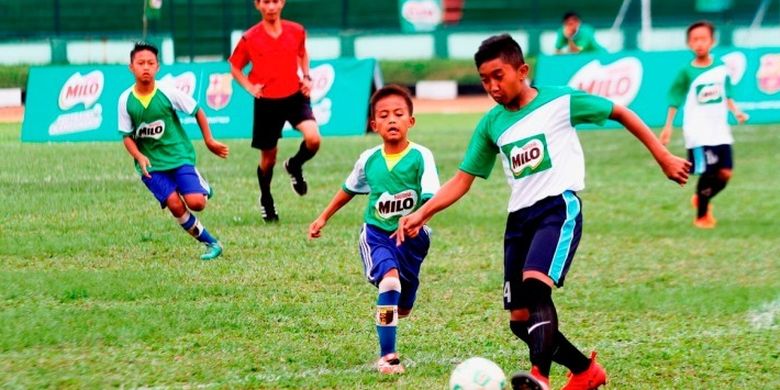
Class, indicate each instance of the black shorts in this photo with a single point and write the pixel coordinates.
(270, 115)
(542, 237)
(710, 159)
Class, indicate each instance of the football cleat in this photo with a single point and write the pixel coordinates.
(213, 251)
(590, 379)
(296, 178)
(390, 364)
(533, 380)
(268, 210)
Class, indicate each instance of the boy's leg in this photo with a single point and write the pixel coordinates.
(194, 190)
(302, 118)
(265, 173)
(266, 131)
(714, 179)
(387, 311)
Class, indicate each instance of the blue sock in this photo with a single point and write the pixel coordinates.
(190, 223)
(387, 314)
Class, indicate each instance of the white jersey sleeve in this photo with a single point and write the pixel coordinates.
(125, 124)
(357, 182)
(179, 100)
(429, 182)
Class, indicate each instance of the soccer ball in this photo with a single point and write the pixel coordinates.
(477, 374)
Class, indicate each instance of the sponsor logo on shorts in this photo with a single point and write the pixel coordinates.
(618, 81)
(392, 205)
(527, 156)
(709, 93)
(154, 130)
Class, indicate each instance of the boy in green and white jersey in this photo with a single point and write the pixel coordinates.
(398, 177)
(532, 131)
(703, 88)
(164, 156)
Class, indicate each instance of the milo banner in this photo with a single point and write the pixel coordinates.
(420, 15)
(641, 80)
(79, 103)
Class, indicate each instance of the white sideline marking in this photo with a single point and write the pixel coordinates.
(767, 316)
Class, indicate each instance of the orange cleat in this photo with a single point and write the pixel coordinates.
(705, 222)
(390, 364)
(533, 380)
(589, 379)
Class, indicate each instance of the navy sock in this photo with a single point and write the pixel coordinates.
(387, 314)
(705, 190)
(190, 223)
(565, 353)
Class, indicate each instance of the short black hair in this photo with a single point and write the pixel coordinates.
(700, 23)
(141, 46)
(570, 14)
(392, 90)
(500, 46)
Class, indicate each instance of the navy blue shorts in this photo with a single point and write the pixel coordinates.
(185, 180)
(271, 114)
(543, 238)
(380, 254)
(706, 159)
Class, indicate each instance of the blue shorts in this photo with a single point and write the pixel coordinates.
(380, 254)
(710, 159)
(542, 237)
(185, 180)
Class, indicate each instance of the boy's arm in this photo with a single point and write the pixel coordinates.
(339, 200)
(674, 168)
(132, 148)
(303, 63)
(214, 146)
(741, 116)
(449, 193)
(255, 90)
(666, 133)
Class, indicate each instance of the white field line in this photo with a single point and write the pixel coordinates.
(767, 316)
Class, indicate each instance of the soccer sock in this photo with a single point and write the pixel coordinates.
(303, 155)
(542, 324)
(264, 180)
(190, 223)
(564, 354)
(704, 191)
(387, 314)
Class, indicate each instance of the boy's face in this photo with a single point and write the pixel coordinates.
(270, 9)
(144, 66)
(700, 40)
(392, 119)
(570, 26)
(502, 81)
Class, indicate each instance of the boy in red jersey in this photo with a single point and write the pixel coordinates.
(276, 49)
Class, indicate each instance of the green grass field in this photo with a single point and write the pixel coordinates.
(100, 288)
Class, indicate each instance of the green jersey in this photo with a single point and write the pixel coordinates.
(537, 144)
(396, 185)
(584, 38)
(155, 127)
(703, 92)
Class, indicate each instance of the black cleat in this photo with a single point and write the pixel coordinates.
(268, 211)
(296, 178)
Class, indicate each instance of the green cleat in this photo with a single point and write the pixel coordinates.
(213, 251)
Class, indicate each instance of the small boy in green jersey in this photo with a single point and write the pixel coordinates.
(398, 176)
(164, 156)
(532, 130)
(703, 86)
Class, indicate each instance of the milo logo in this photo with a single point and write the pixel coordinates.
(85, 89)
(154, 130)
(618, 81)
(708, 94)
(392, 205)
(527, 156)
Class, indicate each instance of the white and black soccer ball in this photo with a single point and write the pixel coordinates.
(477, 374)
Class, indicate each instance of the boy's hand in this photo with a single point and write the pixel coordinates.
(144, 163)
(256, 90)
(217, 148)
(408, 226)
(306, 87)
(741, 117)
(316, 227)
(675, 168)
(666, 135)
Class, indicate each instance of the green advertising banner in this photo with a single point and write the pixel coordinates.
(79, 103)
(420, 15)
(641, 80)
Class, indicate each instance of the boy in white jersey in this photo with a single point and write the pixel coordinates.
(398, 177)
(532, 131)
(703, 86)
(164, 156)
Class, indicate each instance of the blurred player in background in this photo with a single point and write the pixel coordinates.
(398, 176)
(163, 153)
(703, 87)
(532, 131)
(576, 37)
(276, 48)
